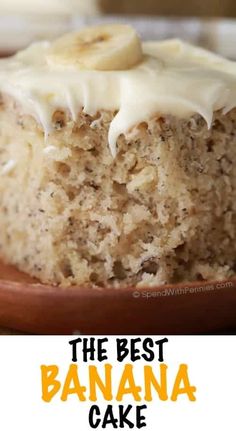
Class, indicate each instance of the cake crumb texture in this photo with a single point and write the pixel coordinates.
(162, 211)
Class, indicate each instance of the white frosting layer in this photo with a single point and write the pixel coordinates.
(174, 78)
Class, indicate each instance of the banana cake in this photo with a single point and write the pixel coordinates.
(117, 160)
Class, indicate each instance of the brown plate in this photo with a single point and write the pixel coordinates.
(195, 308)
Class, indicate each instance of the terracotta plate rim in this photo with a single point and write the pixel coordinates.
(37, 288)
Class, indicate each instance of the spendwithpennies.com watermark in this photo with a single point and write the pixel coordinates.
(177, 291)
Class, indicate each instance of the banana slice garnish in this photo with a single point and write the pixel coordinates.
(104, 47)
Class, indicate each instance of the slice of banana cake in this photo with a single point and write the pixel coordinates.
(117, 160)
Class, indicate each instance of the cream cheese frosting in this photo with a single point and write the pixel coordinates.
(173, 78)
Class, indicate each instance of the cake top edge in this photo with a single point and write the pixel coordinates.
(108, 68)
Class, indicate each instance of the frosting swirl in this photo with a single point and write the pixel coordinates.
(173, 78)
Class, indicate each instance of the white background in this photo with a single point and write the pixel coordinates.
(211, 362)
